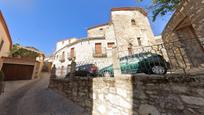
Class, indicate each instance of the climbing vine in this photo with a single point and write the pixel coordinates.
(17, 51)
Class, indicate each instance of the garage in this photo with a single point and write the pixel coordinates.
(17, 71)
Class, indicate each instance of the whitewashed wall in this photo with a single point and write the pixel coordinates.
(84, 55)
(63, 43)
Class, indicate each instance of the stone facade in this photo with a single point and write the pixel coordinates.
(132, 28)
(184, 35)
(139, 95)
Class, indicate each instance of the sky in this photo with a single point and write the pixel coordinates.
(41, 23)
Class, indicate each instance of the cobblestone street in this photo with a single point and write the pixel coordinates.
(34, 98)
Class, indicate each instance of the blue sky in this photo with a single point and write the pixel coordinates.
(41, 23)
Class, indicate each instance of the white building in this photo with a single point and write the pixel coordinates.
(128, 28)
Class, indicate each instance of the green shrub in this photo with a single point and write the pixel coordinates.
(1, 76)
(17, 51)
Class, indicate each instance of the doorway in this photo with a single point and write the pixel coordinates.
(191, 45)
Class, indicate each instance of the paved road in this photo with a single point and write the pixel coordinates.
(34, 98)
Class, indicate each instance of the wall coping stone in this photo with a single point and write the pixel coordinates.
(142, 78)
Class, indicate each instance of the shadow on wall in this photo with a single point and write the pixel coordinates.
(139, 95)
(157, 95)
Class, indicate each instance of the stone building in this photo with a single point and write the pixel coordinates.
(184, 35)
(129, 28)
(132, 29)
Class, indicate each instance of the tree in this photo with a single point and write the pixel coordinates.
(161, 7)
(18, 51)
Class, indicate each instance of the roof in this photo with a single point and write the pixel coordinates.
(98, 26)
(68, 39)
(31, 49)
(121, 9)
(6, 29)
(130, 9)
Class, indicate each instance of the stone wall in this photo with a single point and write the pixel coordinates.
(140, 95)
(184, 35)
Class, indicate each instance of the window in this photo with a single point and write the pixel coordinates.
(111, 44)
(1, 44)
(98, 49)
(101, 29)
(130, 50)
(68, 55)
(62, 70)
(139, 41)
(62, 53)
(63, 56)
(72, 53)
(133, 22)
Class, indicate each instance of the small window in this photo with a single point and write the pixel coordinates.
(1, 44)
(111, 44)
(72, 53)
(101, 29)
(63, 55)
(130, 50)
(139, 41)
(98, 48)
(133, 22)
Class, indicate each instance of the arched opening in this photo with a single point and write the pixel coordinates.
(133, 22)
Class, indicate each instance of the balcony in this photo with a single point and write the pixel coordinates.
(100, 54)
(70, 56)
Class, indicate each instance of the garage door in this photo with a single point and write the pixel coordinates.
(17, 72)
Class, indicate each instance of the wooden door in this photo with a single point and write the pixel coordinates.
(98, 49)
(17, 71)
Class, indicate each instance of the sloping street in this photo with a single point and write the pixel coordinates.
(34, 98)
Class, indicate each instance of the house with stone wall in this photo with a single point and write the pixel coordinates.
(183, 36)
(128, 28)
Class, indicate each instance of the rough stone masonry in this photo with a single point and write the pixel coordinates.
(183, 36)
(139, 95)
